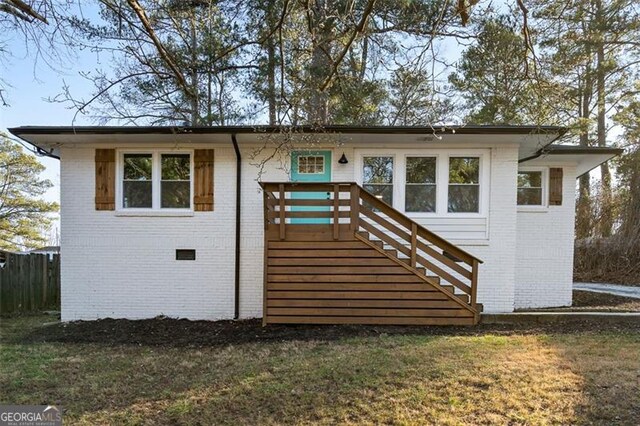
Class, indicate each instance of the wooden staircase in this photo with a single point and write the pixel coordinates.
(369, 264)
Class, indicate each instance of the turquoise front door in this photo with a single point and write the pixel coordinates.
(310, 166)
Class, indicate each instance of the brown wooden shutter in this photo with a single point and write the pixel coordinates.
(203, 180)
(555, 187)
(105, 179)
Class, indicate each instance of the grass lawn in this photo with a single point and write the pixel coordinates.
(149, 373)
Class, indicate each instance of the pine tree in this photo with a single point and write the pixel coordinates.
(24, 218)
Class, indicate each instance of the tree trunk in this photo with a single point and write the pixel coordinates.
(271, 76)
(271, 64)
(583, 205)
(605, 223)
(318, 111)
(194, 72)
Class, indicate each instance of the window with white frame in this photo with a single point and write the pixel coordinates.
(530, 189)
(464, 185)
(377, 177)
(420, 185)
(310, 164)
(155, 180)
(137, 183)
(175, 182)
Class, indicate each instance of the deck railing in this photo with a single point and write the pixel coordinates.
(347, 203)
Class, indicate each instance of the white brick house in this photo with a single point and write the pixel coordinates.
(503, 194)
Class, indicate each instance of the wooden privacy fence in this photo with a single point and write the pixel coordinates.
(29, 282)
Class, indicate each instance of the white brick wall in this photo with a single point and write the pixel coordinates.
(125, 267)
(497, 274)
(544, 262)
(114, 266)
(252, 254)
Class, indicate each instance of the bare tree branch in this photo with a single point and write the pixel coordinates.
(166, 56)
(357, 30)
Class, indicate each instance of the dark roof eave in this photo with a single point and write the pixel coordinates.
(573, 150)
(71, 130)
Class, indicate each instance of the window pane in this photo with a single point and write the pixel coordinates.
(302, 164)
(421, 170)
(311, 164)
(378, 170)
(137, 166)
(464, 169)
(464, 198)
(420, 198)
(382, 192)
(176, 194)
(136, 194)
(176, 166)
(530, 196)
(529, 179)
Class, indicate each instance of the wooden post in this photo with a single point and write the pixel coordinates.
(265, 278)
(32, 279)
(17, 283)
(355, 207)
(336, 211)
(474, 286)
(265, 201)
(282, 211)
(414, 243)
(56, 275)
(44, 277)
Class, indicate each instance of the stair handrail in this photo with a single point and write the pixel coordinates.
(416, 230)
(358, 194)
(430, 236)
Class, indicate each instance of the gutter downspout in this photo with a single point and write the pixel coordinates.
(236, 307)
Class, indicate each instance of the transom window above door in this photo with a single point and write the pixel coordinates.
(311, 164)
(377, 177)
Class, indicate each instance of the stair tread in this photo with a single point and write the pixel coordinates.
(422, 270)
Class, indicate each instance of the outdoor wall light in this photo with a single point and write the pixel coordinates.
(343, 159)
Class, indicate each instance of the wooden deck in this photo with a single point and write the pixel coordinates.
(356, 269)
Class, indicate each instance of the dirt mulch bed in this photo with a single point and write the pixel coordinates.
(185, 333)
(589, 301)
(601, 301)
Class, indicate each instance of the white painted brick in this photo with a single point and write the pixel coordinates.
(544, 265)
(124, 267)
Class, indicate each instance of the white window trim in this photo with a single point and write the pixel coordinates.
(544, 207)
(324, 160)
(156, 175)
(442, 177)
(394, 176)
(403, 179)
(481, 183)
